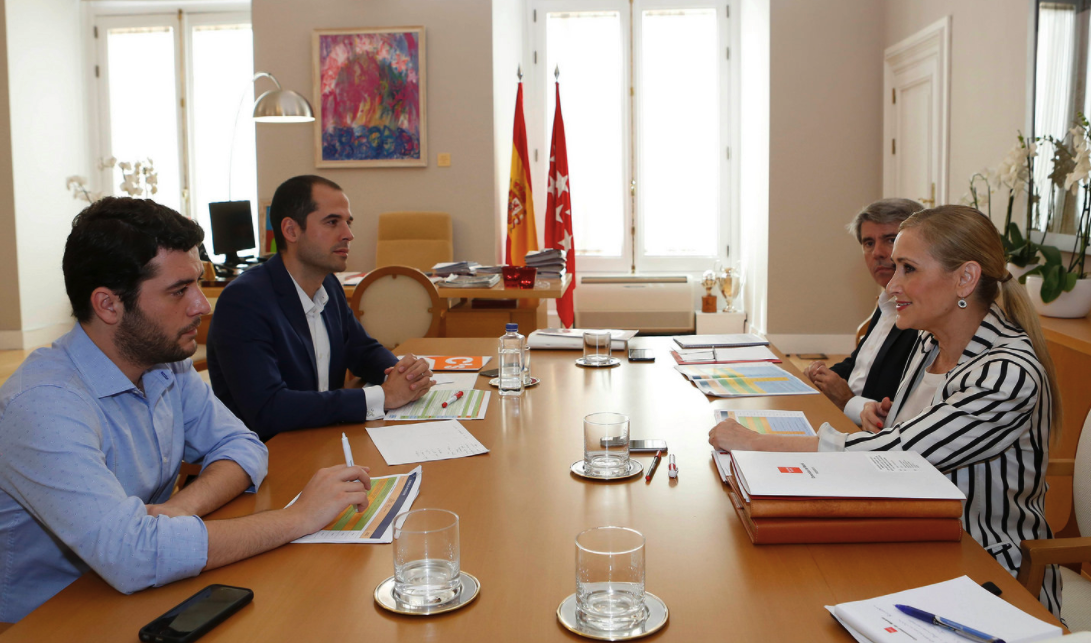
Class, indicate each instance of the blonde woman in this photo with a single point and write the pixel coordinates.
(977, 396)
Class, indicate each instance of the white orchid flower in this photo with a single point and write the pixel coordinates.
(125, 166)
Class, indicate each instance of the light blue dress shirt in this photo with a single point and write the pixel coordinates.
(83, 450)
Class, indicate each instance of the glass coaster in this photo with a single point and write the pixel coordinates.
(384, 596)
(656, 619)
(613, 361)
(534, 381)
(634, 469)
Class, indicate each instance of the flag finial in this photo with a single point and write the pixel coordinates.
(557, 73)
(520, 73)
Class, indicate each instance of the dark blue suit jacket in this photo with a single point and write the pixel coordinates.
(261, 358)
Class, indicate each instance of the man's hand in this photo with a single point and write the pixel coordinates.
(328, 493)
(831, 384)
(406, 381)
(873, 417)
(729, 435)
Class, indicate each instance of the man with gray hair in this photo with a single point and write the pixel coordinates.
(874, 369)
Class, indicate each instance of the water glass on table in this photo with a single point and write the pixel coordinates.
(610, 578)
(426, 557)
(596, 347)
(606, 444)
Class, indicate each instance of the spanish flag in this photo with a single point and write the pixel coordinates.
(522, 235)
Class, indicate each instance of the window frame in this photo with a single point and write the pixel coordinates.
(539, 80)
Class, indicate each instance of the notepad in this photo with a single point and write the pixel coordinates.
(427, 442)
(960, 599)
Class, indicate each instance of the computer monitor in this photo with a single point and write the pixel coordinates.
(232, 229)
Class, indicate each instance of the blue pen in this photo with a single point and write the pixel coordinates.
(957, 628)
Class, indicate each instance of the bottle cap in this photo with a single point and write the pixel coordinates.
(512, 328)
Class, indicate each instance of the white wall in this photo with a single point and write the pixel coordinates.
(459, 41)
(48, 143)
(509, 36)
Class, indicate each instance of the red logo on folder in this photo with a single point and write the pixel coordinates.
(790, 469)
(892, 630)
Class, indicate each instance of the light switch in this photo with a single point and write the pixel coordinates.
(443, 160)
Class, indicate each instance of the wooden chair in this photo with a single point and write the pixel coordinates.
(861, 330)
(416, 239)
(398, 303)
(1070, 553)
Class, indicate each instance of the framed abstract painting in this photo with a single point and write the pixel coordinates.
(369, 86)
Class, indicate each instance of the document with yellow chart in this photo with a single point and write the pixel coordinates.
(744, 380)
(390, 496)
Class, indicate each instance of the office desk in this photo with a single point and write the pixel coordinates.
(520, 511)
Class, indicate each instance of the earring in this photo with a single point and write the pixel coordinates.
(961, 303)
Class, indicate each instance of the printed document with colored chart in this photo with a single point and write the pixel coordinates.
(769, 422)
(745, 380)
(390, 496)
(470, 406)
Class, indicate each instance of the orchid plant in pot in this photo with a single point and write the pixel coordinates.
(139, 179)
(1058, 288)
(1014, 175)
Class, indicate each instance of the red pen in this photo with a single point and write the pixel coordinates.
(655, 465)
(454, 398)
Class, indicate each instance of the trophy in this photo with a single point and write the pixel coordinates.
(729, 282)
(708, 302)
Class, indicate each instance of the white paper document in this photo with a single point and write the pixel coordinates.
(727, 355)
(572, 338)
(715, 341)
(769, 422)
(449, 380)
(850, 474)
(426, 442)
(960, 600)
(471, 405)
(389, 497)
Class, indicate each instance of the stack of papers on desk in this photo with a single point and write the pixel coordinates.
(469, 281)
(961, 600)
(572, 338)
(455, 268)
(408, 443)
(390, 496)
(719, 341)
(550, 262)
(840, 497)
(724, 355)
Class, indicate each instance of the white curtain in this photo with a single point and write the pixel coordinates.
(1056, 60)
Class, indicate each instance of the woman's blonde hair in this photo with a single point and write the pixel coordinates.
(957, 234)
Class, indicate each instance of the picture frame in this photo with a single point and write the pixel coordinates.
(267, 245)
(370, 97)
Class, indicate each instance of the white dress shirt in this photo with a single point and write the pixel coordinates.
(320, 339)
(865, 357)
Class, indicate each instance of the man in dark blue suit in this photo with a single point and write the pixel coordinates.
(283, 334)
(874, 369)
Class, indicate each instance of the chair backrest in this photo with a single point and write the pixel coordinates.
(416, 239)
(398, 303)
(1081, 479)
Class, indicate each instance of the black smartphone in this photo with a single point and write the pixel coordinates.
(647, 446)
(641, 355)
(194, 617)
(491, 373)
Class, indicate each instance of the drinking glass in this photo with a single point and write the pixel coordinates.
(511, 276)
(610, 578)
(596, 347)
(426, 557)
(606, 444)
(527, 277)
(526, 365)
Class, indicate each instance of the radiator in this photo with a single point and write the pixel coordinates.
(645, 303)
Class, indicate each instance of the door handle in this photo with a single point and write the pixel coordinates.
(932, 201)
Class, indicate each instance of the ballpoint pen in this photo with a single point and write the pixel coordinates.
(655, 465)
(454, 398)
(947, 624)
(348, 450)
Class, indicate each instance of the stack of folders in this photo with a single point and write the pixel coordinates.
(455, 268)
(851, 497)
(549, 262)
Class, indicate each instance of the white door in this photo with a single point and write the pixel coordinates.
(915, 121)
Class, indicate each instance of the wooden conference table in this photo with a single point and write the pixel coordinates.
(520, 511)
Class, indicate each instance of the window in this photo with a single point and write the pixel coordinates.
(177, 88)
(649, 168)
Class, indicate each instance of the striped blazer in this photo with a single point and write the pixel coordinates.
(987, 429)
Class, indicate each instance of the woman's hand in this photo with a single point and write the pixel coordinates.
(729, 435)
(873, 417)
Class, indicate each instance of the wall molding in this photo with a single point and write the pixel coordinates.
(829, 344)
(26, 339)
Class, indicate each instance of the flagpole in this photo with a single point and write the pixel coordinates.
(520, 73)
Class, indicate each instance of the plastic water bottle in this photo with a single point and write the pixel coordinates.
(511, 361)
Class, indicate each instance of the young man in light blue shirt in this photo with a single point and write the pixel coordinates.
(93, 430)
